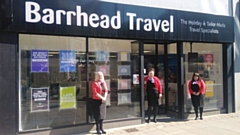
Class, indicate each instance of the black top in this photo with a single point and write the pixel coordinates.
(195, 86)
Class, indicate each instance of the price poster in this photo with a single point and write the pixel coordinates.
(123, 56)
(209, 61)
(40, 99)
(209, 88)
(102, 56)
(124, 84)
(104, 69)
(124, 98)
(124, 70)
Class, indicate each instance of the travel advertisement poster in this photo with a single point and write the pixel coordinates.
(40, 99)
(68, 97)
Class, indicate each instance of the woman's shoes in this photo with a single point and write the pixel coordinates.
(98, 132)
(197, 118)
(104, 132)
(154, 120)
(148, 120)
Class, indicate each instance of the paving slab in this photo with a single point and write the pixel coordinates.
(222, 124)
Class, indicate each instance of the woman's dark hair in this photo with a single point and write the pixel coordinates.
(195, 74)
(151, 69)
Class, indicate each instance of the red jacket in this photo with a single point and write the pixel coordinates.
(157, 84)
(201, 85)
(97, 88)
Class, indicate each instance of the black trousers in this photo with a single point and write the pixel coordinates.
(198, 103)
(98, 116)
(155, 110)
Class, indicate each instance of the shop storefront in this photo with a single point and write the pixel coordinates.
(59, 45)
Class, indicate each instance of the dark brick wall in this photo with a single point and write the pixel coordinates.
(8, 89)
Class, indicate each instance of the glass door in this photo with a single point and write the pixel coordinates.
(171, 78)
(163, 58)
(154, 58)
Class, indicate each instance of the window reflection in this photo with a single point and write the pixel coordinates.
(65, 90)
(115, 59)
(208, 63)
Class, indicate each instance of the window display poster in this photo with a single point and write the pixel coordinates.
(209, 61)
(135, 78)
(40, 99)
(192, 62)
(39, 61)
(67, 97)
(205, 74)
(123, 70)
(123, 56)
(124, 84)
(102, 56)
(124, 98)
(67, 61)
(209, 88)
(104, 69)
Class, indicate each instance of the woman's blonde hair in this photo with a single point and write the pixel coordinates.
(97, 75)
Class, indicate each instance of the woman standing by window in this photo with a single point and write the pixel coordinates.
(100, 92)
(154, 92)
(196, 88)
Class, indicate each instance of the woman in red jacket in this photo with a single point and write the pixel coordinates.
(99, 95)
(153, 88)
(196, 88)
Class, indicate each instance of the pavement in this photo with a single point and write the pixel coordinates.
(220, 124)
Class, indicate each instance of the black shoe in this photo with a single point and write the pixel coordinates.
(104, 132)
(148, 121)
(98, 132)
(196, 118)
(154, 120)
(201, 118)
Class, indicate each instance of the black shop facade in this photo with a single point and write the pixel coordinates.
(56, 47)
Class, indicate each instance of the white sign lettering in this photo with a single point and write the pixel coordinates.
(35, 14)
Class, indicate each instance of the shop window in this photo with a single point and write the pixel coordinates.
(206, 59)
(53, 81)
(118, 64)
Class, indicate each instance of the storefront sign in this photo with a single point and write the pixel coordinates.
(102, 19)
(39, 61)
(67, 61)
(40, 99)
(67, 97)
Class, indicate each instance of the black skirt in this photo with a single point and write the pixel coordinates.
(152, 94)
(99, 109)
(197, 101)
